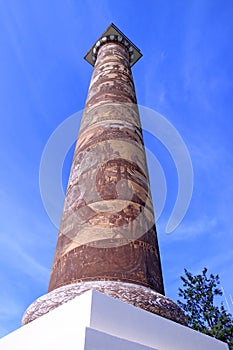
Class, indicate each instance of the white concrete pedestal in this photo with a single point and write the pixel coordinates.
(94, 321)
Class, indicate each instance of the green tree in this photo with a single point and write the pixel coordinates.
(203, 315)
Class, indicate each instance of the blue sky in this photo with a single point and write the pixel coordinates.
(185, 74)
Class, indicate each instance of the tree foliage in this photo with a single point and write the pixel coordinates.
(203, 315)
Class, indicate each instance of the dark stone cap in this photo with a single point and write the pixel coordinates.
(113, 34)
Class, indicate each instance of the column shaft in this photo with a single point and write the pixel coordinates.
(107, 230)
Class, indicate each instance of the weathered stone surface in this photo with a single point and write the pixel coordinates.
(139, 296)
(107, 230)
(107, 239)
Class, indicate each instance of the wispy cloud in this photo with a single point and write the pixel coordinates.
(23, 261)
(190, 228)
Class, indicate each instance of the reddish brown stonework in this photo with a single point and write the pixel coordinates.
(107, 239)
(107, 230)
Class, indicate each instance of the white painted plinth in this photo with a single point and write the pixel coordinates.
(94, 321)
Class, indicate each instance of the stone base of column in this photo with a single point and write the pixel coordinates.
(140, 296)
(96, 321)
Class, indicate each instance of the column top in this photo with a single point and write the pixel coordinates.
(113, 34)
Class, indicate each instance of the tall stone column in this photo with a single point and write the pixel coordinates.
(107, 239)
(107, 230)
